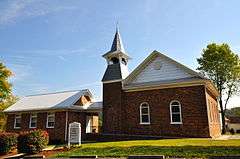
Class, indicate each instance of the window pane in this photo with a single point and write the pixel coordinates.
(175, 109)
(145, 119)
(18, 122)
(33, 125)
(175, 103)
(51, 119)
(33, 120)
(144, 110)
(50, 124)
(144, 105)
(176, 118)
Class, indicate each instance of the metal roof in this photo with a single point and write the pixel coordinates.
(115, 72)
(117, 46)
(58, 100)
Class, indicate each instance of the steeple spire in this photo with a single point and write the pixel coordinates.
(117, 60)
(117, 44)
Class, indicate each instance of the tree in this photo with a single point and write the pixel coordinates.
(10, 100)
(6, 97)
(233, 112)
(220, 64)
(5, 86)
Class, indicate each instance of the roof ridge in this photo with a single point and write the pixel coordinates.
(56, 92)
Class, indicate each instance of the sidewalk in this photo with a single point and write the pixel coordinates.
(228, 137)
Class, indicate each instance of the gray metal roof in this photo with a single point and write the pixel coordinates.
(115, 72)
(117, 45)
(58, 100)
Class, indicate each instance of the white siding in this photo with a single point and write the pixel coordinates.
(124, 71)
(168, 71)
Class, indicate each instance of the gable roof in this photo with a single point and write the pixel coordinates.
(49, 101)
(151, 58)
(184, 75)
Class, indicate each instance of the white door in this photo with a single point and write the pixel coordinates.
(89, 124)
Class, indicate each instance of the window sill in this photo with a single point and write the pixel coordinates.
(17, 127)
(145, 123)
(49, 127)
(32, 127)
(177, 123)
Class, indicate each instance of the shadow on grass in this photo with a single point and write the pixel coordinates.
(172, 151)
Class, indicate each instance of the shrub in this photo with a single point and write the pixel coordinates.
(232, 131)
(8, 141)
(32, 141)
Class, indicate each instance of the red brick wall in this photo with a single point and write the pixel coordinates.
(78, 117)
(56, 133)
(193, 108)
(213, 115)
(125, 114)
(112, 114)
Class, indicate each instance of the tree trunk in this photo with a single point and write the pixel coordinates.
(223, 116)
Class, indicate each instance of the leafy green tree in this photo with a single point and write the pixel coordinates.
(6, 97)
(220, 64)
(10, 100)
(5, 86)
(233, 112)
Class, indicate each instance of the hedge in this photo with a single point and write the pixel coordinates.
(8, 141)
(32, 141)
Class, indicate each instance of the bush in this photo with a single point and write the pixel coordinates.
(232, 131)
(32, 141)
(8, 141)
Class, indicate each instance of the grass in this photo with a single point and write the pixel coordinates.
(167, 147)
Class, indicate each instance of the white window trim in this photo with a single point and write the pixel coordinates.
(180, 111)
(144, 123)
(48, 115)
(30, 121)
(15, 120)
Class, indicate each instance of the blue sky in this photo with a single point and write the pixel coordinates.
(57, 45)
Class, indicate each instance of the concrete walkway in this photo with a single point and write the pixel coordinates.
(227, 137)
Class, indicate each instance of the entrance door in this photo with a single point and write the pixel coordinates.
(89, 124)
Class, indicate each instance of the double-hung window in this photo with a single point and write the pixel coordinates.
(33, 121)
(144, 113)
(50, 120)
(175, 112)
(17, 121)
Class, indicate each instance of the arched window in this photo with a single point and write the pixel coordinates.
(175, 112)
(144, 113)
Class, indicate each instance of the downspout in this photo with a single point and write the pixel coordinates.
(66, 125)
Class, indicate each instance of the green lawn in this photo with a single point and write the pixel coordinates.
(167, 147)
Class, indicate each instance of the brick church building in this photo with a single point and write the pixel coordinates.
(161, 97)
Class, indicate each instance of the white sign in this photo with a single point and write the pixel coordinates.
(74, 133)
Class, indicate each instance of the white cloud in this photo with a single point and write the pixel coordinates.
(62, 58)
(21, 9)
